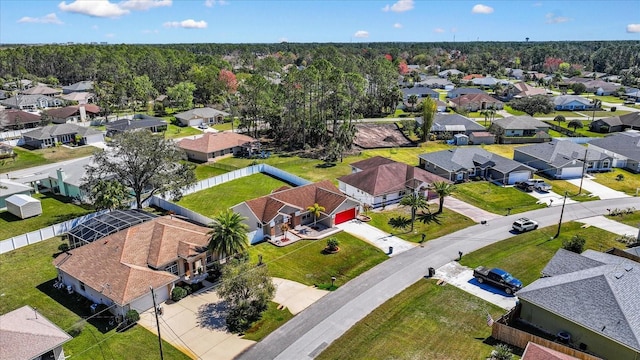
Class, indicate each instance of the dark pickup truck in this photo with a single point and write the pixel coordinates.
(497, 278)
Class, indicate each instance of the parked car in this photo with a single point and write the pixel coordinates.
(524, 224)
(524, 186)
(497, 278)
(540, 185)
(203, 126)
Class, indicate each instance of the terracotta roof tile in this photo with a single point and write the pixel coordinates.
(534, 351)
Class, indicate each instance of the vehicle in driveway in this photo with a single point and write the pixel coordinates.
(524, 186)
(497, 278)
(203, 126)
(539, 185)
(524, 224)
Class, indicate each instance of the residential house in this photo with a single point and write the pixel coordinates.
(3, 94)
(563, 159)
(616, 123)
(420, 92)
(472, 76)
(572, 102)
(517, 74)
(624, 147)
(214, 145)
(520, 129)
(379, 181)
(591, 298)
(82, 98)
(602, 88)
(48, 136)
(266, 215)
(79, 87)
(632, 94)
(20, 84)
(445, 126)
(72, 114)
(65, 179)
(522, 89)
(488, 82)
(449, 73)
(9, 188)
(41, 90)
(476, 102)
(31, 102)
(18, 119)
(452, 94)
(119, 269)
(138, 121)
(463, 163)
(197, 116)
(435, 83)
(25, 334)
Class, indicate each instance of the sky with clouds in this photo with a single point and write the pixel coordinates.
(265, 21)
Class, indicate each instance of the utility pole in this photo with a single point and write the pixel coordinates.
(584, 166)
(561, 213)
(155, 310)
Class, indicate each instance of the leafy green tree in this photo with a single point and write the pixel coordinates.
(182, 94)
(332, 244)
(578, 88)
(443, 189)
(575, 244)
(575, 124)
(415, 202)
(107, 194)
(228, 235)
(143, 162)
(428, 115)
(316, 210)
(142, 90)
(533, 104)
(559, 119)
(247, 290)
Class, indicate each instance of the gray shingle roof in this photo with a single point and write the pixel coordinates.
(205, 112)
(626, 144)
(602, 298)
(61, 129)
(420, 91)
(138, 122)
(441, 122)
(560, 152)
(79, 86)
(566, 99)
(470, 157)
(522, 122)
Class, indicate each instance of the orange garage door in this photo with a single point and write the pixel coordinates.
(345, 216)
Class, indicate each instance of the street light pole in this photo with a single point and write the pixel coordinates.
(564, 201)
(584, 166)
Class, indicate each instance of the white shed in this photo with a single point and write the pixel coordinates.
(23, 206)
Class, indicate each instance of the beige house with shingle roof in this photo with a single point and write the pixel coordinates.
(214, 145)
(119, 269)
(26, 334)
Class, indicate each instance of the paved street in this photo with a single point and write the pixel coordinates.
(307, 334)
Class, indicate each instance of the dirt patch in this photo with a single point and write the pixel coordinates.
(371, 136)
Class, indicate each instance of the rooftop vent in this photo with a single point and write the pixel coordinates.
(628, 267)
(618, 275)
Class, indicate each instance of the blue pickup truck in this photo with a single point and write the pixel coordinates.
(497, 278)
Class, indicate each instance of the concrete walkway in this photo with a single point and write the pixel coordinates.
(376, 237)
(295, 296)
(597, 189)
(609, 225)
(470, 211)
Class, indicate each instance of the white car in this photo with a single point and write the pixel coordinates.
(524, 224)
(539, 185)
(203, 126)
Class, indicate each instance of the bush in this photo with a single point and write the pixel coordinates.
(132, 316)
(619, 177)
(214, 272)
(501, 352)
(64, 247)
(76, 329)
(178, 293)
(626, 239)
(332, 244)
(613, 109)
(575, 244)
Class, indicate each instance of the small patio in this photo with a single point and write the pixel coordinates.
(304, 232)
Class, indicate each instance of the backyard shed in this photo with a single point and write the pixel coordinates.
(461, 139)
(23, 206)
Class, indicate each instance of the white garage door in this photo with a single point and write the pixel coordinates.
(518, 176)
(571, 173)
(146, 302)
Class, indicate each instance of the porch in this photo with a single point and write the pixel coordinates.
(304, 232)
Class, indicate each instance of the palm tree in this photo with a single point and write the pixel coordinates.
(413, 100)
(228, 234)
(316, 210)
(415, 201)
(443, 189)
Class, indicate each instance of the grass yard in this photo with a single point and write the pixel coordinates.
(494, 198)
(305, 262)
(29, 158)
(425, 321)
(227, 126)
(525, 255)
(55, 209)
(515, 112)
(26, 278)
(174, 131)
(205, 171)
(271, 319)
(443, 224)
(560, 186)
(629, 219)
(583, 132)
(504, 150)
(605, 113)
(628, 185)
(210, 202)
(407, 155)
(556, 134)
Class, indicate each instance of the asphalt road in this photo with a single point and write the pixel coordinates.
(311, 331)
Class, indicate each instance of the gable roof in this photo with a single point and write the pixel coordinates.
(27, 334)
(420, 91)
(25, 100)
(211, 142)
(8, 187)
(41, 90)
(324, 193)
(47, 132)
(122, 265)
(522, 122)
(464, 91)
(528, 90)
(475, 98)
(79, 86)
(444, 122)
(13, 117)
(139, 121)
(200, 113)
(602, 297)
(625, 143)
(67, 111)
(390, 177)
(77, 96)
(449, 72)
(566, 99)
(560, 152)
(470, 157)
(371, 163)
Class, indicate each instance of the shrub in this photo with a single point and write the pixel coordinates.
(501, 352)
(76, 329)
(132, 316)
(613, 109)
(627, 239)
(64, 247)
(332, 244)
(619, 177)
(575, 244)
(214, 272)
(178, 293)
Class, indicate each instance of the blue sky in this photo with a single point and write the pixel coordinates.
(265, 21)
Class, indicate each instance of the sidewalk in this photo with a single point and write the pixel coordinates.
(476, 214)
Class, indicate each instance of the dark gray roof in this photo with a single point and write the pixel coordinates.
(566, 99)
(199, 113)
(564, 262)
(61, 129)
(470, 157)
(79, 86)
(140, 121)
(560, 152)
(611, 121)
(626, 144)
(443, 122)
(522, 122)
(602, 298)
(420, 91)
(464, 91)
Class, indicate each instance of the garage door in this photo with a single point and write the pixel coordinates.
(345, 216)
(146, 302)
(518, 176)
(571, 173)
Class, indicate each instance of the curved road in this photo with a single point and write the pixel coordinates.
(308, 333)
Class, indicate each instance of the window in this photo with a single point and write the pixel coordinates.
(259, 225)
(173, 268)
(82, 286)
(402, 193)
(606, 164)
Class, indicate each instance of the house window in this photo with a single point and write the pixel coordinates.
(173, 268)
(402, 193)
(605, 164)
(472, 172)
(259, 225)
(590, 165)
(82, 286)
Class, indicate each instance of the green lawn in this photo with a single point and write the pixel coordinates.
(425, 321)
(26, 278)
(584, 131)
(271, 319)
(504, 150)
(629, 219)
(205, 171)
(305, 262)
(174, 131)
(55, 209)
(407, 155)
(515, 112)
(210, 202)
(494, 198)
(560, 186)
(29, 158)
(440, 225)
(227, 126)
(478, 115)
(629, 185)
(525, 255)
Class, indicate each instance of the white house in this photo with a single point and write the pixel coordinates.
(197, 116)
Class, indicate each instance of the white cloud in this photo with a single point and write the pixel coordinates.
(400, 6)
(439, 30)
(482, 9)
(212, 3)
(397, 26)
(47, 19)
(95, 8)
(551, 18)
(110, 35)
(144, 4)
(633, 28)
(186, 24)
(361, 34)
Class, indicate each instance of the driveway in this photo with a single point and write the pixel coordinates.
(462, 277)
(476, 214)
(376, 237)
(550, 198)
(597, 189)
(609, 225)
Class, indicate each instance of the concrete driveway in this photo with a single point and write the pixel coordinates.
(597, 189)
(609, 225)
(376, 237)
(550, 198)
(476, 214)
